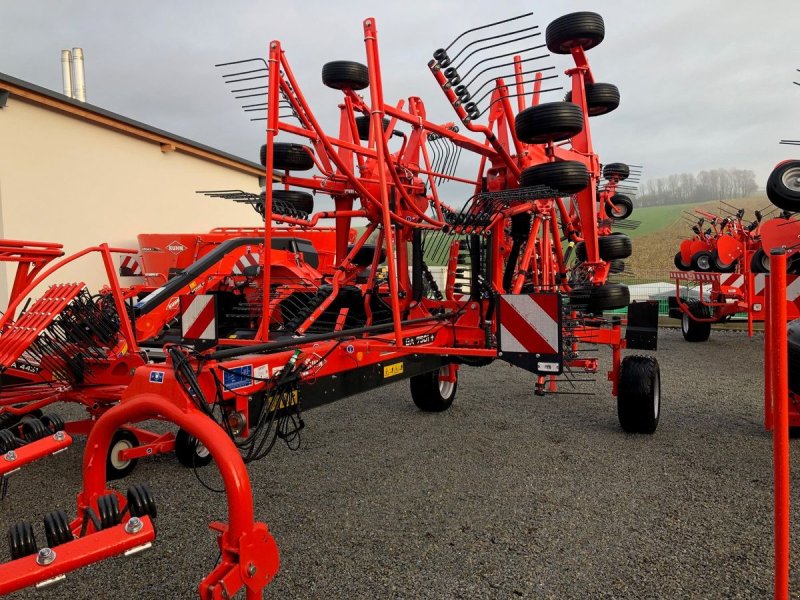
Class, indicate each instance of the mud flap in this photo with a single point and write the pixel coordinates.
(529, 332)
(642, 330)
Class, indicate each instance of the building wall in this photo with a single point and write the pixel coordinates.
(69, 181)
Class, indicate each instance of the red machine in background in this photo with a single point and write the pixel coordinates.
(264, 332)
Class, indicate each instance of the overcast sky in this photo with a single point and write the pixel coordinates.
(704, 83)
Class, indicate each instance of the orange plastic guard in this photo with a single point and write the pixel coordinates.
(15, 459)
(28, 571)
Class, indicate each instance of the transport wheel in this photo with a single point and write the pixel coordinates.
(717, 264)
(56, 528)
(140, 501)
(596, 299)
(601, 98)
(759, 262)
(701, 261)
(289, 157)
(117, 468)
(294, 199)
(21, 540)
(696, 331)
(793, 342)
(783, 186)
(362, 125)
(190, 452)
(622, 207)
(619, 170)
(610, 247)
(575, 30)
(679, 264)
(639, 397)
(430, 394)
(345, 75)
(549, 122)
(566, 177)
(617, 266)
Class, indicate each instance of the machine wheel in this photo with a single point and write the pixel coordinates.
(345, 75)
(140, 501)
(430, 394)
(719, 266)
(696, 331)
(549, 122)
(701, 261)
(601, 98)
(362, 126)
(294, 199)
(596, 299)
(576, 30)
(619, 170)
(759, 262)
(679, 264)
(190, 452)
(289, 157)
(622, 207)
(617, 266)
(639, 394)
(610, 247)
(116, 468)
(566, 177)
(783, 186)
(56, 528)
(21, 540)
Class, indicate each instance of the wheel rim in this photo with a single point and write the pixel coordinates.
(116, 462)
(445, 387)
(704, 263)
(765, 262)
(685, 323)
(200, 450)
(656, 396)
(618, 210)
(791, 179)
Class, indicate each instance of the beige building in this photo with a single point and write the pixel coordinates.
(76, 174)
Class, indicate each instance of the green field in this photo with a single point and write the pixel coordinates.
(654, 218)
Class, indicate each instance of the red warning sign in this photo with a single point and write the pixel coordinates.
(529, 331)
(199, 317)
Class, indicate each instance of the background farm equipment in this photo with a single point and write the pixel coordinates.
(234, 332)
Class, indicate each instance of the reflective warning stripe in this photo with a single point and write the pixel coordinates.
(733, 280)
(129, 266)
(528, 324)
(198, 317)
(247, 260)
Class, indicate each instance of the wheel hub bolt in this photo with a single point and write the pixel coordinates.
(134, 525)
(251, 569)
(45, 556)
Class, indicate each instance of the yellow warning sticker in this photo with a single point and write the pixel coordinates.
(392, 370)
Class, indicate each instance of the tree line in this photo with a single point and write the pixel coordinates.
(716, 184)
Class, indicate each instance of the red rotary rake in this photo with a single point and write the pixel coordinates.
(267, 325)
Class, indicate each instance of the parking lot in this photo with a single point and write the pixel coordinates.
(506, 495)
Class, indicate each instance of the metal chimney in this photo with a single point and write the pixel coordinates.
(78, 82)
(66, 72)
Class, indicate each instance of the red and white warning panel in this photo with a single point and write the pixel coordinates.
(249, 259)
(199, 317)
(130, 266)
(529, 332)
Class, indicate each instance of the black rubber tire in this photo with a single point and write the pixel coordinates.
(429, 395)
(579, 29)
(696, 331)
(619, 170)
(108, 511)
(783, 186)
(21, 540)
(639, 394)
(56, 528)
(759, 262)
(793, 357)
(610, 247)
(140, 501)
(115, 469)
(623, 207)
(701, 261)
(295, 199)
(189, 451)
(289, 157)
(680, 265)
(565, 177)
(362, 126)
(617, 266)
(345, 75)
(596, 299)
(601, 98)
(719, 266)
(549, 122)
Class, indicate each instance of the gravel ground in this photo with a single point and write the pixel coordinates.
(506, 495)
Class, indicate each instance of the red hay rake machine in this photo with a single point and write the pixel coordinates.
(241, 329)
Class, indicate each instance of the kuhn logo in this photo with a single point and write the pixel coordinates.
(174, 303)
(176, 247)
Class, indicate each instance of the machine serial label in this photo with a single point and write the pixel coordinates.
(238, 377)
(392, 370)
(27, 367)
(418, 340)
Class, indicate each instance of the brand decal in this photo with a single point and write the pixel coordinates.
(176, 247)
